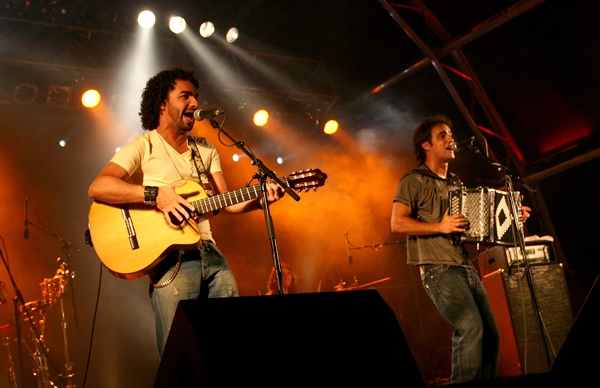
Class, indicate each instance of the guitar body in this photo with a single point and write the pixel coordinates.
(152, 237)
(131, 239)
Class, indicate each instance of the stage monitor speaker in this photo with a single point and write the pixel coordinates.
(348, 338)
(523, 347)
(577, 360)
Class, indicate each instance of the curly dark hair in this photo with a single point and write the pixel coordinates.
(423, 134)
(157, 91)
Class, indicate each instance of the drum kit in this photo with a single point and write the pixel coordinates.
(33, 315)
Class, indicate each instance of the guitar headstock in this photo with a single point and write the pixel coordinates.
(306, 179)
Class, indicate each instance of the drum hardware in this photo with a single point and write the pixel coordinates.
(10, 366)
(36, 307)
(52, 289)
(3, 293)
(30, 310)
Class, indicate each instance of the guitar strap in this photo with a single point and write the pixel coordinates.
(199, 164)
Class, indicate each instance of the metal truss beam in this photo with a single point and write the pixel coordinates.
(95, 52)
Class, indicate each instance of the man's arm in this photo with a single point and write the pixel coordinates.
(111, 186)
(402, 222)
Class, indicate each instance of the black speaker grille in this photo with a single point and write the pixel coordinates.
(537, 351)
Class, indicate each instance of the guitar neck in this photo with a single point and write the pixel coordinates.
(219, 201)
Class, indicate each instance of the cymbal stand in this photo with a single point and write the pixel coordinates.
(10, 366)
(66, 246)
(40, 362)
(66, 378)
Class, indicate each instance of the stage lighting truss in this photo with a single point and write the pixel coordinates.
(58, 95)
(25, 93)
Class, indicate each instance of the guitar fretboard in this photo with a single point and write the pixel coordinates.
(220, 201)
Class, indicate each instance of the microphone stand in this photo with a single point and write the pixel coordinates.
(19, 300)
(264, 173)
(519, 236)
(65, 246)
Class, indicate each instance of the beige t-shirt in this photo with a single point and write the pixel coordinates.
(151, 161)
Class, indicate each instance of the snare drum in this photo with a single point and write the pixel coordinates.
(36, 307)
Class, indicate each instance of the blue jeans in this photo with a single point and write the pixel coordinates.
(462, 301)
(207, 275)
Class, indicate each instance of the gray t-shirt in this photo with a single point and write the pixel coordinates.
(427, 195)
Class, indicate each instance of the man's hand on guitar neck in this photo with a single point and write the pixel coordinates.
(274, 193)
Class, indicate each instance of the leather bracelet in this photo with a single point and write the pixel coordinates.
(150, 193)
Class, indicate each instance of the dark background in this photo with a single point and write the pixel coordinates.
(539, 70)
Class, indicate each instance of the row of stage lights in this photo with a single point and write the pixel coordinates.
(177, 24)
(26, 94)
(261, 118)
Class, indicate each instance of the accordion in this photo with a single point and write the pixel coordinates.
(489, 215)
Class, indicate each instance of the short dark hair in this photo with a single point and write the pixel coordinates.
(157, 91)
(423, 134)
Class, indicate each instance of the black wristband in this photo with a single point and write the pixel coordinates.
(150, 193)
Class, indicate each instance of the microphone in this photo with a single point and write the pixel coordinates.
(200, 114)
(457, 146)
(26, 223)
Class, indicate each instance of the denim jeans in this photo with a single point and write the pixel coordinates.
(462, 301)
(207, 276)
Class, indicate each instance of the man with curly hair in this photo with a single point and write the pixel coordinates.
(420, 211)
(150, 169)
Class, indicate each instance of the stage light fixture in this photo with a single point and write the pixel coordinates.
(25, 93)
(232, 35)
(177, 24)
(331, 127)
(91, 98)
(261, 117)
(146, 19)
(206, 29)
(58, 95)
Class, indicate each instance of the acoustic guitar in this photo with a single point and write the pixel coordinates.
(132, 239)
